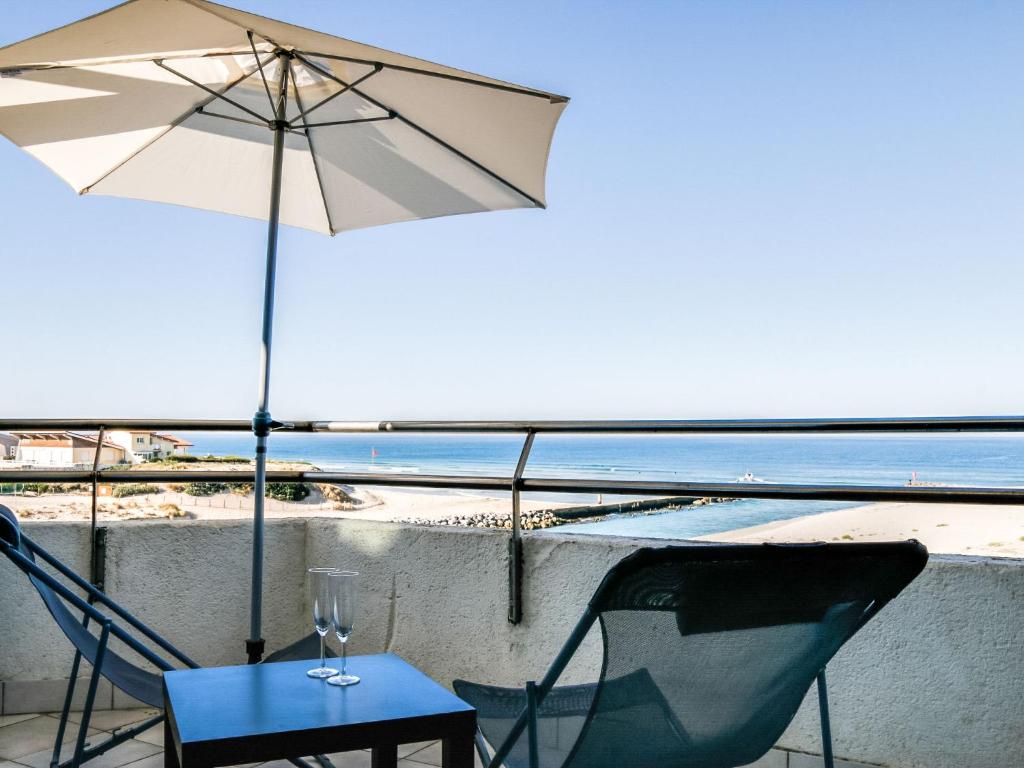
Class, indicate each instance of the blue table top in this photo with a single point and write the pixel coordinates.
(262, 699)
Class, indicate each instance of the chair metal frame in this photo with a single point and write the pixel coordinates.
(536, 693)
(109, 627)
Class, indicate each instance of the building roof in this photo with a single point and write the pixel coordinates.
(58, 440)
(168, 438)
(173, 439)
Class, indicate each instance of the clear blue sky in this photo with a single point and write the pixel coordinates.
(755, 209)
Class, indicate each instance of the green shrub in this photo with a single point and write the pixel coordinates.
(209, 459)
(134, 489)
(287, 491)
(203, 489)
(45, 488)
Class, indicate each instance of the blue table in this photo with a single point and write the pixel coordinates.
(226, 715)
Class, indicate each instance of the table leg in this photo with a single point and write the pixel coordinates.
(457, 752)
(384, 757)
(170, 753)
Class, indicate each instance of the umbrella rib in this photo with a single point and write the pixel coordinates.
(446, 76)
(553, 97)
(263, 76)
(125, 60)
(417, 127)
(312, 153)
(346, 89)
(206, 113)
(174, 124)
(214, 93)
(389, 116)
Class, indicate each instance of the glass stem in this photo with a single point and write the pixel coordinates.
(323, 660)
(344, 656)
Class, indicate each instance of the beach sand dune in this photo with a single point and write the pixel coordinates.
(944, 528)
(968, 529)
(376, 503)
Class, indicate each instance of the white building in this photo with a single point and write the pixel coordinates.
(65, 449)
(140, 446)
(8, 446)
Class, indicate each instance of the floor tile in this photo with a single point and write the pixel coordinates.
(31, 736)
(30, 696)
(409, 763)
(122, 700)
(110, 719)
(774, 758)
(153, 761)
(154, 735)
(120, 755)
(406, 750)
(358, 759)
(429, 754)
(12, 719)
(800, 760)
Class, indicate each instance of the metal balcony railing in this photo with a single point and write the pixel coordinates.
(519, 482)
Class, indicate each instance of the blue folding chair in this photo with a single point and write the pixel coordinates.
(708, 651)
(112, 620)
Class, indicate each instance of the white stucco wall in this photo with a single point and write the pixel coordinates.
(46, 455)
(87, 453)
(934, 682)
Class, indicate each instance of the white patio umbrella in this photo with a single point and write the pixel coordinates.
(197, 104)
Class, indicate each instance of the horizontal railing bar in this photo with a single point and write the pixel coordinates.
(913, 424)
(155, 425)
(796, 492)
(246, 476)
(766, 426)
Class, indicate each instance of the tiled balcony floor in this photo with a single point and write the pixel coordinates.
(26, 741)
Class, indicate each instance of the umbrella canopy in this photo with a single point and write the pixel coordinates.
(196, 104)
(171, 100)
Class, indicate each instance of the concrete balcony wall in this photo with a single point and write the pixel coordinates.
(932, 682)
(188, 581)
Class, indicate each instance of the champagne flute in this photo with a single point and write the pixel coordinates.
(320, 601)
(343, 601)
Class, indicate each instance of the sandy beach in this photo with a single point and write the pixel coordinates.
(968, 529)
(944, 528)
(375, 503)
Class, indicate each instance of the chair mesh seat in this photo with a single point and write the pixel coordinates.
(708, 651)
(136, 682)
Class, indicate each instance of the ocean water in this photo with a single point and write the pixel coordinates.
(953, 459)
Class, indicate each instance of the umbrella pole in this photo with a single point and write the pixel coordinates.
(261, 421)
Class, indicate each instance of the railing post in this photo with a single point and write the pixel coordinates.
(515, 543)
(94, 554)
(99, 556)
